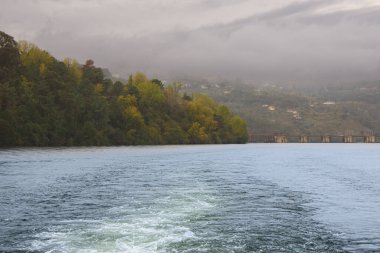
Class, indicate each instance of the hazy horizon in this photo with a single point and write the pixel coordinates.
(295, 42)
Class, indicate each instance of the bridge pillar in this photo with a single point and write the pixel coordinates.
(250, 137)
(304, 139)
(270, 139)
(370, 139)
(326, 139)
(348, 139)
(280, 139)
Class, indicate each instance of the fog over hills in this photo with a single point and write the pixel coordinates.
(272, 41)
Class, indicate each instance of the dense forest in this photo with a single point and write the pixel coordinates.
(47, 102)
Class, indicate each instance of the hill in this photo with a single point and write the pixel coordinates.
(334, 110)
(47, 102)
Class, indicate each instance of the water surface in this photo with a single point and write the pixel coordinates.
(226, 198)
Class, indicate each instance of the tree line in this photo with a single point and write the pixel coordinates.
(47, 102)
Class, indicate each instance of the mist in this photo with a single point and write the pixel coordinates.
(281, 42)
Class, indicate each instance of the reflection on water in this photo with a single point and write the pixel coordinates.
(232, 198)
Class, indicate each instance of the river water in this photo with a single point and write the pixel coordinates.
(217, 198)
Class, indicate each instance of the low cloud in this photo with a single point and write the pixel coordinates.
(296, 42)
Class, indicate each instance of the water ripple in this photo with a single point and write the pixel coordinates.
(234, 198)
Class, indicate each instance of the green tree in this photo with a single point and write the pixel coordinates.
(9, 58)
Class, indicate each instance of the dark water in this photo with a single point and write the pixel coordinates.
(233, 198)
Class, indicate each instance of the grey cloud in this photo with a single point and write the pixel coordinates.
(295, 8)
(290, 44)
(218, 3)
(367, 16)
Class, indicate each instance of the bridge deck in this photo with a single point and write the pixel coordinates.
(328, 138)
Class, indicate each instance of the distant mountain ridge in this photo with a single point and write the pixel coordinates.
(333, 109)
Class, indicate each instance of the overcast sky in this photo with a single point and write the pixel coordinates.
(275, 41)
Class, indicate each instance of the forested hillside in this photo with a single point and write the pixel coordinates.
(322, 110)
(47, 102)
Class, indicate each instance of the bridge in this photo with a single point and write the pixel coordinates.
(283, 138)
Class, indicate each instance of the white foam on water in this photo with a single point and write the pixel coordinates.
(148, 229)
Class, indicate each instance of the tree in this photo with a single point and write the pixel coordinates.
(151, 95)
(9, 57)
(9, 71)
(158, 82)
(238, 130)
